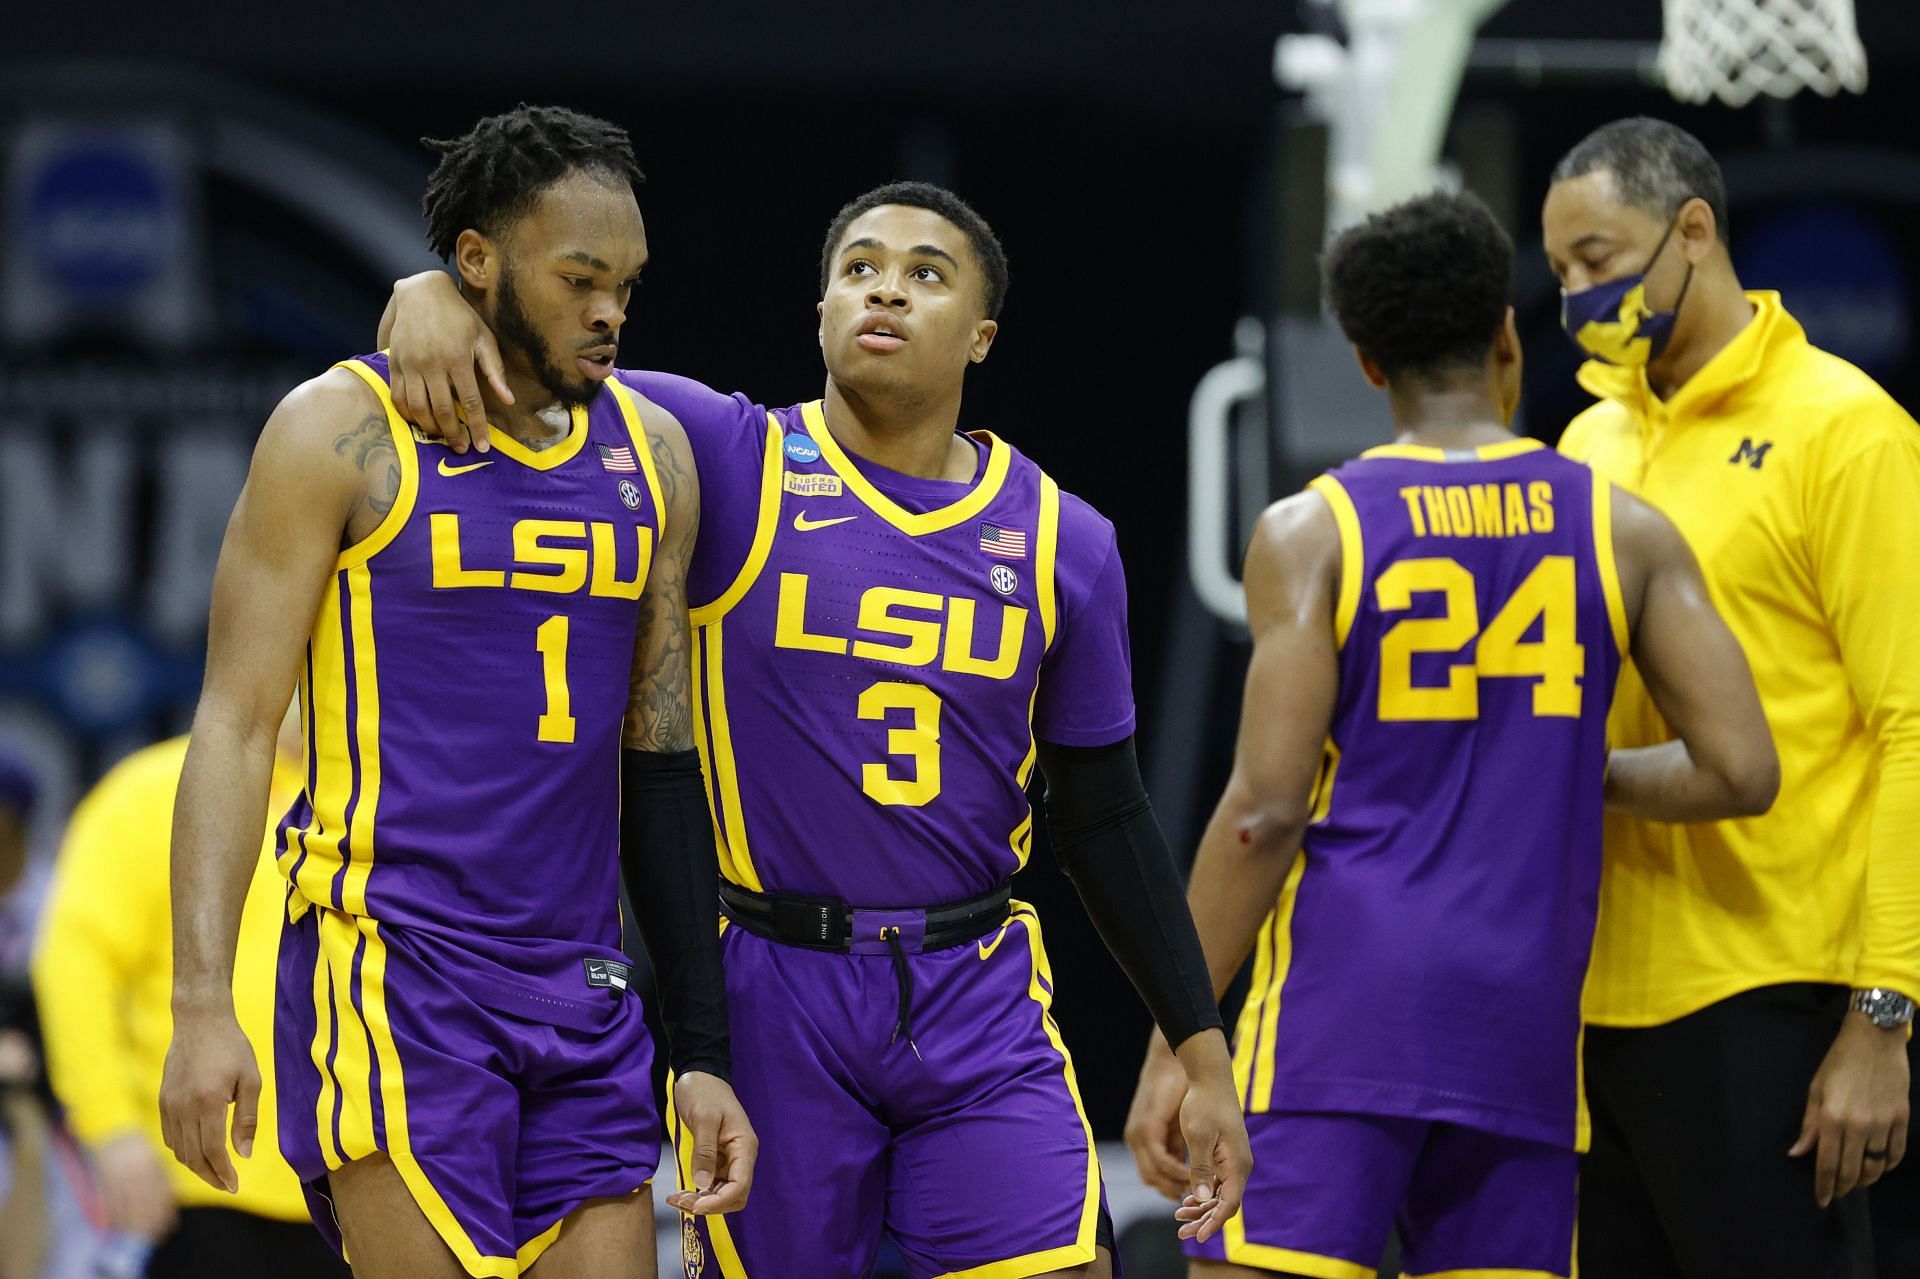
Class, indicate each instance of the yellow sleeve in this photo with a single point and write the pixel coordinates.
(109, 897)
(1864, 527)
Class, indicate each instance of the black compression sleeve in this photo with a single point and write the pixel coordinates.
(1109, 843)
(667, 857)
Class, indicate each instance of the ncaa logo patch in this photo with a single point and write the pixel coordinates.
(630, 494)
(693, 1255)
(1004, 579)
(801, 449)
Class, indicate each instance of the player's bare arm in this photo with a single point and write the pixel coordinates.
(1292, 568)
(1722, 761)
(440, 349)
(325, 473)
(667, 849)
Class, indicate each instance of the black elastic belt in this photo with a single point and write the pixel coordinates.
(828, 923)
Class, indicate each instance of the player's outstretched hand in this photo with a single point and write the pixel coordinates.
(1153, 1121)
(435, 345)
(209, 1067)
(1856, 1118)
(1219, 1156)
(724, 1146)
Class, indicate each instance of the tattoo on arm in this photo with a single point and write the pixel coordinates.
(660, 693)
(370, 445)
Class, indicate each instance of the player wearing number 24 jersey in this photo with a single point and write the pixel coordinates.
(1418, 788)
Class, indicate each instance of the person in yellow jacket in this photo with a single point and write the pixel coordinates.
(103, 974)
(1752, 987)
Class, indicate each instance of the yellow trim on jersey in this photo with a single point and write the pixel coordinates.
(1582, 1117)
(353, 1063)
(396, 518)
(366, 685)
(1485, 453)
(1082, 1249)
(1045, 553)
(1266, 1257)
(1492, 1274)
(529, 1252)
(1353, 560)
(736, 858)
(1246, 1029)
(1046, 546)
(702, 743)
(1261, 1098)
(642, 449)
(772, 472)
(318, 855)
(545, 459)
(1604, 560)
(393, 1094)
(725, 1252)
(908, 522)
(323, 1002)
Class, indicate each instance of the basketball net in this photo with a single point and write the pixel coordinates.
(1735, 50)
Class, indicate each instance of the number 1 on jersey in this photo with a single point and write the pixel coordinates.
(556, 722)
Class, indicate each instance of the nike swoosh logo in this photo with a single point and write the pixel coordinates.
(801, 524)
(460, 470)
(986, 951)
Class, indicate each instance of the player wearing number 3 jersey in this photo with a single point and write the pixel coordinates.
(1418, 788)
(896, 623)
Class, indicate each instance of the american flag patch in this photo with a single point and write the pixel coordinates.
(1007, 543)
(617, 458)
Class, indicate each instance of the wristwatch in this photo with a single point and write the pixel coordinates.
(1887, 1009)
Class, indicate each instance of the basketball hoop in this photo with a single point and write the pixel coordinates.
(1735, 50)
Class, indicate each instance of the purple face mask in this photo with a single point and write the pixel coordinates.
(1612, 321)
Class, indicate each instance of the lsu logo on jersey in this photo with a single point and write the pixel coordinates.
(693, 1256)
(560, 557)
(920, 628)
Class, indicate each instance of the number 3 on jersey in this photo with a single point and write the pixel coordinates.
(919, 742)
(1556, 660)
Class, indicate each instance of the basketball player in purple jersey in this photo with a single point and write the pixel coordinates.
(895, 621)
(1418, 783)
(464, 1077)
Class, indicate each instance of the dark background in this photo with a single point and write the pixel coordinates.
(1128, 153)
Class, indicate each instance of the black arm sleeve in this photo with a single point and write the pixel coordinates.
(1111, 847)
(673, 877)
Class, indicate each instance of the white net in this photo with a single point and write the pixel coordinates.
(1735, 50)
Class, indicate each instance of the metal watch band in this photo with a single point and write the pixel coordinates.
(1885, 1008)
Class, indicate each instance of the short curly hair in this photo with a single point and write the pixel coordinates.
(924, 195)
(1422, 288)
(495, 172)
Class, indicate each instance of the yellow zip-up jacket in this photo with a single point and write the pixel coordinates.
(103, 975)
(1796, 479)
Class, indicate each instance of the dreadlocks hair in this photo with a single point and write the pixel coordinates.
(1422, 288)
(496, 171)
(924, 195)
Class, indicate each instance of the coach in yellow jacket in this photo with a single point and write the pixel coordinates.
(1734, 1094)
(103, 976)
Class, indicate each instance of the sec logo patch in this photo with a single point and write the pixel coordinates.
(630, 494)
(1004, 579)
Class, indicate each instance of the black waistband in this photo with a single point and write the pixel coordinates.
(826, 923)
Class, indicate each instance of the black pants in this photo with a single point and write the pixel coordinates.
(221, 1242)
(1896, 1196)
(1688, 1177)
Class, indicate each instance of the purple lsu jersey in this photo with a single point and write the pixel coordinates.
(873, 653)
(476, 806)
(1427, 953)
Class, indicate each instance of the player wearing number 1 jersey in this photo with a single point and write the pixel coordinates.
(463, 1071)
(1418, 787)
